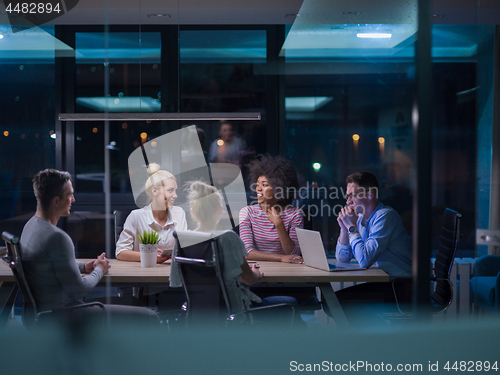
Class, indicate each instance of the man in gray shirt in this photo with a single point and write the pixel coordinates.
(54, 275)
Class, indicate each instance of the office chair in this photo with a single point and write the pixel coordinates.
(30, 315)
(485, 285)
(308, 220)
(442, 296)
(120, 216)
(137, 296)
(306, 296)
(201, 273)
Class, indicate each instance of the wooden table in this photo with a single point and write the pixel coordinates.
(276, 273)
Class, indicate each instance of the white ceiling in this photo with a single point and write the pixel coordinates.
(267, 11)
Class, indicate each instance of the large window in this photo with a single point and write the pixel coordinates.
(350, 109)
(226, 71)
(131, 61)
(27, 139)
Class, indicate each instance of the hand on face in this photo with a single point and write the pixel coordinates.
(274, 216)
(348, 217)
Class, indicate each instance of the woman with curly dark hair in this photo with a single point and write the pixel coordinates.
(268, 227)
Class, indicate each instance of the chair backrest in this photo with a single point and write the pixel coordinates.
(120, 217)
(200, 268)
(14, 259)
(308, 222)
(445, 256)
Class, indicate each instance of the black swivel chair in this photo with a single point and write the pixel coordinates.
(442, 296)
(208, 302)
(172, 312)
(306, 296)
(120, 217)
(137, 292)
(31, 316)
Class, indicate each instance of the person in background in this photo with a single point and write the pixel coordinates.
(161, 215)
(228, 148)
(268, 228)
(48, 253)
(206, 209)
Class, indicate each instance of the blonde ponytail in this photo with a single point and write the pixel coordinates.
(205, 202)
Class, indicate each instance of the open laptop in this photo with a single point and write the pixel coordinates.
(313, 253)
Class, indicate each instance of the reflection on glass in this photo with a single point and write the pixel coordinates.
(133, 62)
(367, 123)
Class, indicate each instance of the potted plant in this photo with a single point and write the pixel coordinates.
(148, 247)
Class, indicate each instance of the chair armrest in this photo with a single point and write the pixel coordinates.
(282, 306)
(67, 309)
(264, 310)
(194, 261)
(488, 265)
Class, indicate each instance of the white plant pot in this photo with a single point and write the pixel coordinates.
(148, 254)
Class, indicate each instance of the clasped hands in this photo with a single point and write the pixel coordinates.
(347, 217)
(102, 262)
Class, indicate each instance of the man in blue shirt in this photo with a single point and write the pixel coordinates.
(373, 234)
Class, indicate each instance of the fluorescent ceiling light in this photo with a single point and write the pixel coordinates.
(335, 38)
(123, 104)
(374, 35)
(176, 116)
(306, 103)
(326, 28)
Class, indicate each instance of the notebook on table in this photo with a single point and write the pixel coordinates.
(314, 255)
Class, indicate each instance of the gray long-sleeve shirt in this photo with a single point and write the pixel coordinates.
(50, 266)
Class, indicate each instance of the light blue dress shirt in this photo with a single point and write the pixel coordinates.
(382, 241)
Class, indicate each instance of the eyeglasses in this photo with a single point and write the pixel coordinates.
(355, 195)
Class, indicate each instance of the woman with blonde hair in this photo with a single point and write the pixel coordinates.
(206, 209)
(160, 215)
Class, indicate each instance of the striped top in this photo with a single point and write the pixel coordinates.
(258, 233)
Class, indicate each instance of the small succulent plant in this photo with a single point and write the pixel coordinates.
(150, 238)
